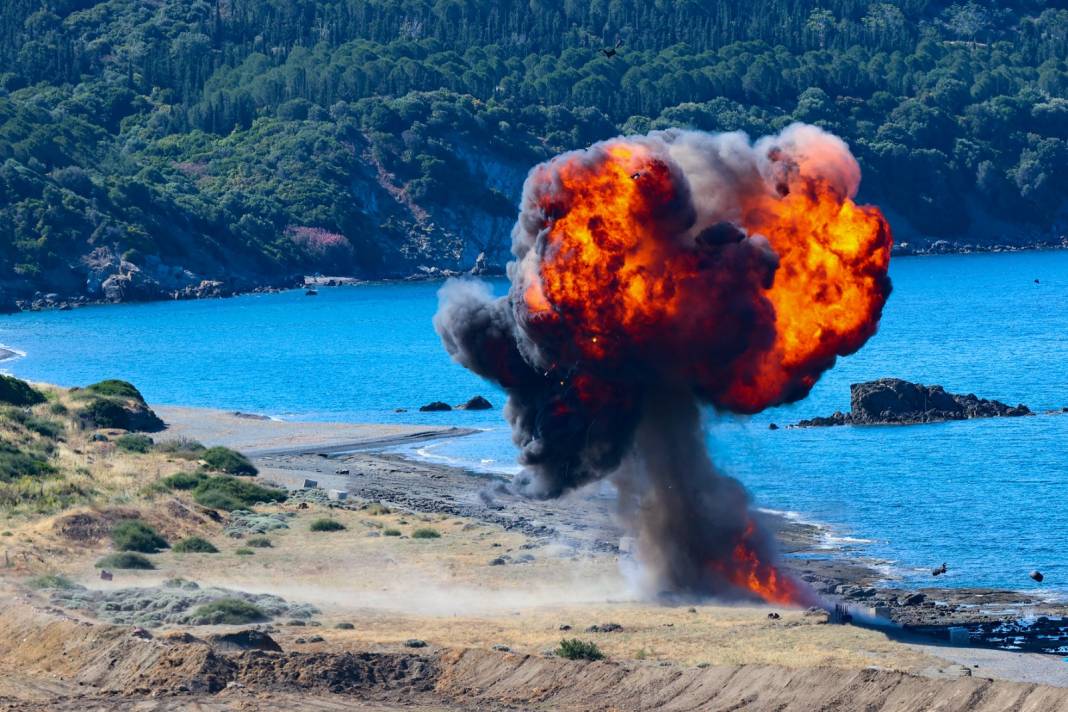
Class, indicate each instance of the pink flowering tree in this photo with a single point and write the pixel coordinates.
(324, 248)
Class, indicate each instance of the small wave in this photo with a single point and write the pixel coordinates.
(426, 453)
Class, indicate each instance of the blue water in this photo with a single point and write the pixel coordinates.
(985, 496)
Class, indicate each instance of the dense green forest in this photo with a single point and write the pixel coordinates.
(146, 146)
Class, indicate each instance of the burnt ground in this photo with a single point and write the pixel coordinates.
(1001, 619)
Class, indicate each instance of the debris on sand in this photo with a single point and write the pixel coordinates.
(892, 401)
(605, 628)
(173, 602)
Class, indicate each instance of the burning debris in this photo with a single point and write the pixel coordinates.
(657, 273)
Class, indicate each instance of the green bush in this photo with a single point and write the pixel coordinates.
(426, 533)
(194, 545)
(125, 560)
(575, 649)
(391, 532)
(183, 480)
(135, 535)
(326, 525)
(259, 542)
(115, 388)
(244, 551)
(229, 493)
(51, 581)
(18, 462)
(134, 442)
(233, 611)
(14, 391)
(58, 409)
(226, 460)
(45, 428)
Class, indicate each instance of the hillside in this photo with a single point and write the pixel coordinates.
(196, 147)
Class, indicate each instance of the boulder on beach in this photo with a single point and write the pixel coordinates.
(476, 403)
(435, 407)
(893, 401)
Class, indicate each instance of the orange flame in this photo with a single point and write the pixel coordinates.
(746, 571)
(619, 272)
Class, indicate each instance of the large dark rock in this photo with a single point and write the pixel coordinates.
(434, 407)
(476, 403)
(898, 402)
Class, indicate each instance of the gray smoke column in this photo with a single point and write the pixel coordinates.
(656, 273)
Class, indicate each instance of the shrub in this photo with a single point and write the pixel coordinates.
(244, 551)
(229, 493)
(426, 533)
(391, 532)
(135, 535)
(227, 610)
(46, 428)
(58, 409)
(125, 560)
(115, 388)
(183, 480)
(259, 542)
(326, 525)
(376, 508)
(102, 412)
(195, 545)
(133, 442)
(14, 391)
(16, 463)
(51, 581)
(575, 649)
(226, 460)
(181, 447)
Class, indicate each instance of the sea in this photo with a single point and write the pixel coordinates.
(987, 497)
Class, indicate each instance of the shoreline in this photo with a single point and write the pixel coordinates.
(317, 282)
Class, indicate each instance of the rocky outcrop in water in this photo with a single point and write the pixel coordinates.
(892, 401)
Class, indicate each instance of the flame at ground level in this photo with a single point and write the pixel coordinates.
(746, 571)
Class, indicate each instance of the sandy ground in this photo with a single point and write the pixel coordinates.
(562, 574)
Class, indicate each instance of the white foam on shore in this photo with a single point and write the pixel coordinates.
(9, 354)
(426, 453)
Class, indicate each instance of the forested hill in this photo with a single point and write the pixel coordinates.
(148, 145)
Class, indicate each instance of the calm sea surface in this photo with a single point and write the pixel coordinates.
(989, 497)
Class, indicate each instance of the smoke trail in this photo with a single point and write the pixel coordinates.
(653, 273)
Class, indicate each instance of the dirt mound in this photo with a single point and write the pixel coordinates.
(54, 662)
(93, 526)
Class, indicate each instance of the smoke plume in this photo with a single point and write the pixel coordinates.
(656, 273)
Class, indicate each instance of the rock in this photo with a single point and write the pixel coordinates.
(913, 599)
(414, 643)
(499, 561)
(237, 641)
(892, 401)
(939, 571)
(141, 633)
(772, 426)
(1037, 576)
(502, 648)
(476, 403)
(298, 623)
(345, 626)
(565, 627)
(98, 438)
(341, 472)
(435, 407)
(106, 575)
(774, 616)
(316, 639)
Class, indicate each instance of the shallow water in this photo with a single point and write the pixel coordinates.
(985, 496)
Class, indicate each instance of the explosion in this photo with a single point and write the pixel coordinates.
(656, 273)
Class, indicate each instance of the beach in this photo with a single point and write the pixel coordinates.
(486, 600)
